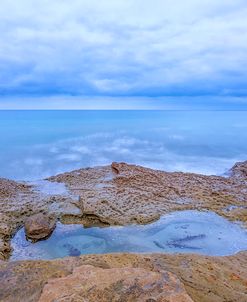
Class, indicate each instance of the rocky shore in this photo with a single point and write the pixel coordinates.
(122, 194)
(203, 279)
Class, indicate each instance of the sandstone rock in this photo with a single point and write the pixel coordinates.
(4, 249)
(10, 188)
(91, 284)
(122, 193)
(239, 171)
(115, 167)
(39, 227)
(206, 279)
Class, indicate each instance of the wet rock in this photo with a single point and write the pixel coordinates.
(183, 243)
(146, 218)
(72, 251)
(39, 227)
(117, 284)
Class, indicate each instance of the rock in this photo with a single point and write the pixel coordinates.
(4, 249)
(115, 167)
(10, 188)
(145, 218)
(239, 171)
(39, 227)
(121, 194)
(206, 279)
(91, 284)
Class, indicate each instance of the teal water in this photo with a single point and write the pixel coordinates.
(179, 232)
(37, 144)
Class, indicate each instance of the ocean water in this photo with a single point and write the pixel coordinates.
(179, 232)
(37, 144)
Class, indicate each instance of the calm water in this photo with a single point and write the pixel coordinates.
(37, 144)
(179, 232)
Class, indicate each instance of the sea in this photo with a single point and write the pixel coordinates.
(35, 144)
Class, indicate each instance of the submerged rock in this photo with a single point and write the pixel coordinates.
(39, 227)
(72, 251)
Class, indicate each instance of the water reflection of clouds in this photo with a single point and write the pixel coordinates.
(49, 159)
(179, 232)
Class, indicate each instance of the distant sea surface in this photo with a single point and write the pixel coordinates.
(37, 144)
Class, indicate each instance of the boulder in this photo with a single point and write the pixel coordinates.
(91, 284)
(239, 171)
(39, 227)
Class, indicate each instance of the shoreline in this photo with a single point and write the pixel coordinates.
(122, 194)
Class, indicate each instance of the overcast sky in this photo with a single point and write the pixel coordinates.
(123, 48)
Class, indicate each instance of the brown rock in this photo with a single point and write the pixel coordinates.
(88, 283)
(4, 248)
(115, 167)
(123, 193)
(206, 279)
(10, 188)
(239, 171)
(39, 227)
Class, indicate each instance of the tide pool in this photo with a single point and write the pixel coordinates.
(179, 232)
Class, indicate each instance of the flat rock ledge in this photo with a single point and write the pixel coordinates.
(89, 283)
(126, 277)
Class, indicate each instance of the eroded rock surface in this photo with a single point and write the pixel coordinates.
(239, 171)
(20, 201)
(206, 279)
(89, 283)
(122, 194)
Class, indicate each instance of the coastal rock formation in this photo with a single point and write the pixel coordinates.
(20, 201)
(4, 248)
(89, 283)
(206, 279)
(10, 188)
(122, 194)
(239, 171)
(39, 227)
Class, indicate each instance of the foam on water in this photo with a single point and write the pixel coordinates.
(49, 188)
(36, 145)
(179, 232)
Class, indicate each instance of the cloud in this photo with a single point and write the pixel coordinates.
(124, 47)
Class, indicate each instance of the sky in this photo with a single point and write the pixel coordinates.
(122, 48)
